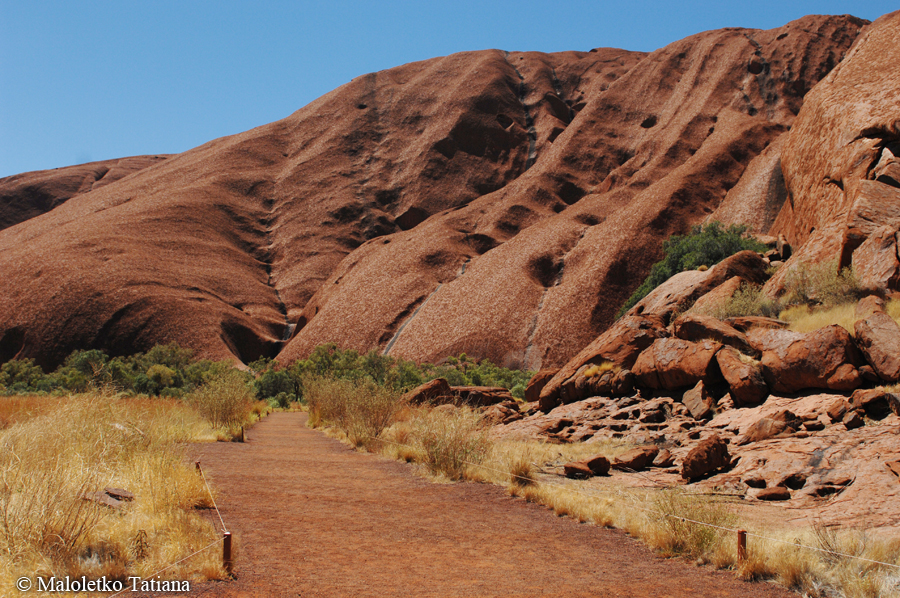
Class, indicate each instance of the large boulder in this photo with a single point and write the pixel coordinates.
(792, 361)
(592, 466)
(692, 327)
(620, 345)
(636, 459)
(709, 456)
(480, 396)
(745, 380)
(673, 363)
(715, 299)
(878, 336)
(782, 423)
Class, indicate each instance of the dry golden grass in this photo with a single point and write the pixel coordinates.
(359, 408)
(804, 319)
(228, 404)
(90, 442)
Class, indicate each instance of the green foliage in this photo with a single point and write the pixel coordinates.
(704, 246)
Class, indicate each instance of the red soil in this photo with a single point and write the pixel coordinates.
(315, 518)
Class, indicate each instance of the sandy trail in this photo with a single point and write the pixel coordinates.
(315, 518)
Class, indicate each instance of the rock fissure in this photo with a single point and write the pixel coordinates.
(529, 119)
(390, 345)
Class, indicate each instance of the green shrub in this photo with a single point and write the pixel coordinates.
(225, 401)
(704, 246)
(360, 408)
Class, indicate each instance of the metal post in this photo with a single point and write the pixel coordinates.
(227, 561)
(242, 433)
(742, 545)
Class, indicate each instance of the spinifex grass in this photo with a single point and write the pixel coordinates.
(50, 462)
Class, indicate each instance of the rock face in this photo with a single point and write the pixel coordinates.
(878, 336)
(24, 196)
(837, 156)
(498, 204)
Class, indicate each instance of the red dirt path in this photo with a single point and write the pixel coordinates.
(315, 518)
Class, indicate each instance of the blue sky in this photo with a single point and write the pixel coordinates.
(83, 81)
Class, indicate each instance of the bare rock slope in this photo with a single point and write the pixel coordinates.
(501, 204)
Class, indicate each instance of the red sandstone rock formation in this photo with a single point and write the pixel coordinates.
(501, 204)
(31, 194)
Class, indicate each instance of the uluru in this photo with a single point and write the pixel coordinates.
(498, 204)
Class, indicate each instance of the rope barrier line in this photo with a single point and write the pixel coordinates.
(209, 491)
(210, 545)
(645, 509)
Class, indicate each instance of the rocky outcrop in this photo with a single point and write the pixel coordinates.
(681, 291)
(691, 327)
(439, 392)
(746, 383)
(837, 157)
(597, 465)
(620, 345)
(636, 459)
(876, 263)
(537, 384)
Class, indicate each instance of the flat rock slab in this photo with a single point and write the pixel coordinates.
(312, 517)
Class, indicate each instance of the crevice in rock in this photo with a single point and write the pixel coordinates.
(529, 119)
(402, 326)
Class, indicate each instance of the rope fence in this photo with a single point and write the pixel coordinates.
(227, 556)
(740, 533)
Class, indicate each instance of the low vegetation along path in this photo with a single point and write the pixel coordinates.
(312, 517)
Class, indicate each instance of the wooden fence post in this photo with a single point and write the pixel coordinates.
(227, 561)
(742, 545)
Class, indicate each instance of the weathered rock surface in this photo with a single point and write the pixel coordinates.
(434, 392)
(500, 204)
(875, 263)
(586, 468)
(793, 361)
(24, 196)
(672, 363)
(682, 290)
(699, 401)
(878, 336)
(692, 327)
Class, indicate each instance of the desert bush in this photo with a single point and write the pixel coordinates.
(360, 408)
(226, 400)
(704, 246)
(748, 300)
(820, 284)
(451, 440)
(51, 459)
